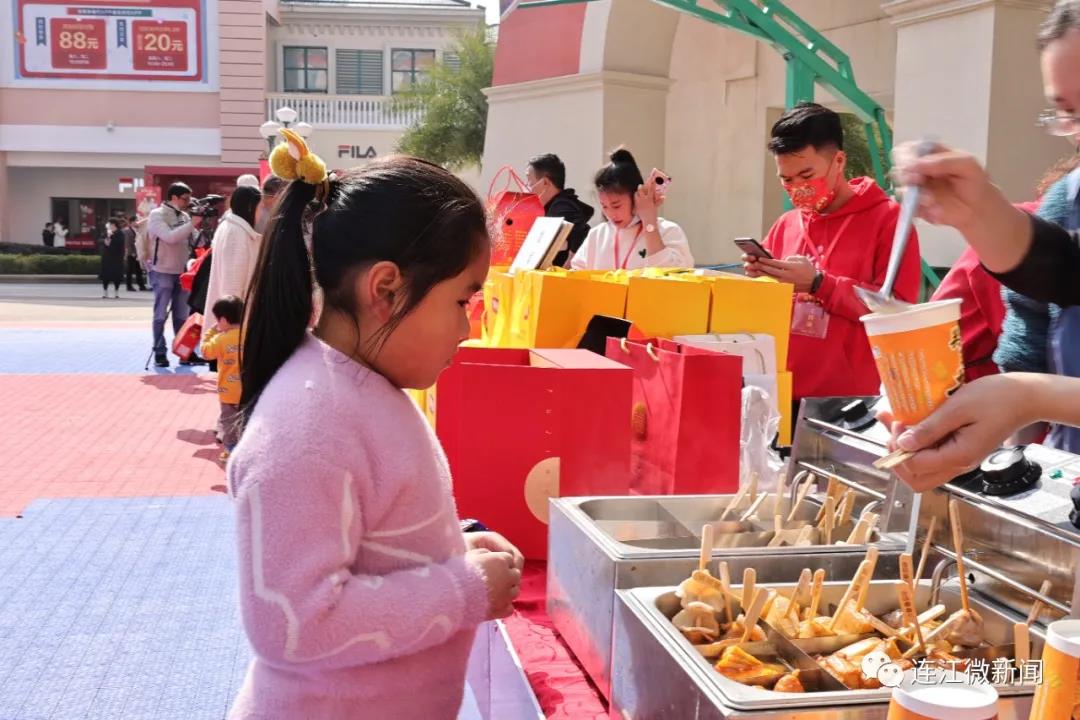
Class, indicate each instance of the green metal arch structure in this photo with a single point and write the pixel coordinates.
(811, 60)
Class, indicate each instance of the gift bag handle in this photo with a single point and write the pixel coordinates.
(649, 349)
(512, 177)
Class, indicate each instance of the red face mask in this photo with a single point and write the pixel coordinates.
(812, 195)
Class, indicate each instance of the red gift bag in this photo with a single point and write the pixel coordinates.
(511, 213)
(685, 419)
(520, 426)
(187, 340)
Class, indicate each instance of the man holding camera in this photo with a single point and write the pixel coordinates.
(170, 231)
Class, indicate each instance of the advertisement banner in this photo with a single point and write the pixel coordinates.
(146, 199)
(120, 40)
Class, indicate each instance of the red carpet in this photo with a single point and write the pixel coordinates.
(560, 684)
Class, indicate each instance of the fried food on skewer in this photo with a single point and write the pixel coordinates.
(697, 623)
(742, 667)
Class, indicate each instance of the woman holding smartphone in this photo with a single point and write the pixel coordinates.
(634, 236)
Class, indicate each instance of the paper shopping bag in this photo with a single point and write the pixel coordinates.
(685, 418)
(187, 340)
(498, 304)
(669, 305)
(757, 350)
(741, 305)
(553, 308)
(512, 209)
(521, 426)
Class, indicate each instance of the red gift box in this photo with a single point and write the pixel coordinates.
(520, 426)
(686, 417)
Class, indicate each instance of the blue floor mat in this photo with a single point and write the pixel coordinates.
(90, 350)
(120, 608)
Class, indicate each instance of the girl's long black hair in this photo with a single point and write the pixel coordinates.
(403, 210)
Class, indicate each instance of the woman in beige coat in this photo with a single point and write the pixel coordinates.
(235, 249)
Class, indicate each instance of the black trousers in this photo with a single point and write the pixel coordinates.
(135, 272)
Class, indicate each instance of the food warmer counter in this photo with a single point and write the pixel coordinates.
(1020, 551)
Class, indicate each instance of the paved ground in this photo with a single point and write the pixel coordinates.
(117, 554)
(117, 562)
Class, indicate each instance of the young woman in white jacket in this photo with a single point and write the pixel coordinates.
(634, 236)
(235, 250)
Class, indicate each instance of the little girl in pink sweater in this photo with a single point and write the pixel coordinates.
(359, 593)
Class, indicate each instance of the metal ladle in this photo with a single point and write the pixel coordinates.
(883, 301)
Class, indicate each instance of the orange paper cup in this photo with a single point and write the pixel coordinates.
(1059, 695)
(964, 700)
(918, 356)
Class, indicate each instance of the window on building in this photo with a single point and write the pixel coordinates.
(306, 69)
(359, 72)
(452, 61)
(408, 67)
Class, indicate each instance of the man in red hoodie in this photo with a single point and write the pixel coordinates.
(838, 236)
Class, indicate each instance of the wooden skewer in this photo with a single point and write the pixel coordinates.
(883, 628)
(847, 504)
(749, 580)
(932, 614)
(907, 606)
(753, 507)
(1037, 606)
(725, 581)
(706, 546)
(769, 603)
(871, 524)
(937, 632)
(926, 548)
(805, 578)
(804, 537)
(861, 575)
(829, 519)
(958, 548)
(864, 589)
(830, 492)
(858, 531)
(1021, 643)
(735, 501)
(907, 570)
(801, 495)
(753, 485)
(815, 593)
(777, 539)
(896, 457)
(754, 612)
(778, 524)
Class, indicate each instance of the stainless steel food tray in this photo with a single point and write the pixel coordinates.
(658, 674)
(601, 544)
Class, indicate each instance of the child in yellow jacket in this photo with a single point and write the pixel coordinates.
(222, 343)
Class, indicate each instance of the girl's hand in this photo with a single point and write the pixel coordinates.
(494, 542)
(959, 435)
(645, 203)
(503, 580)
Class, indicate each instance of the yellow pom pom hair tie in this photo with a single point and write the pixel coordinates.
(293, 160)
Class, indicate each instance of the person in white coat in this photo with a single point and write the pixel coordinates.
(235, 250)
(634, 236)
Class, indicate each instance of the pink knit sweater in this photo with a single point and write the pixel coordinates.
(353, 586)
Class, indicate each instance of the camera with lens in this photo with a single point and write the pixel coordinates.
(206, 207)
